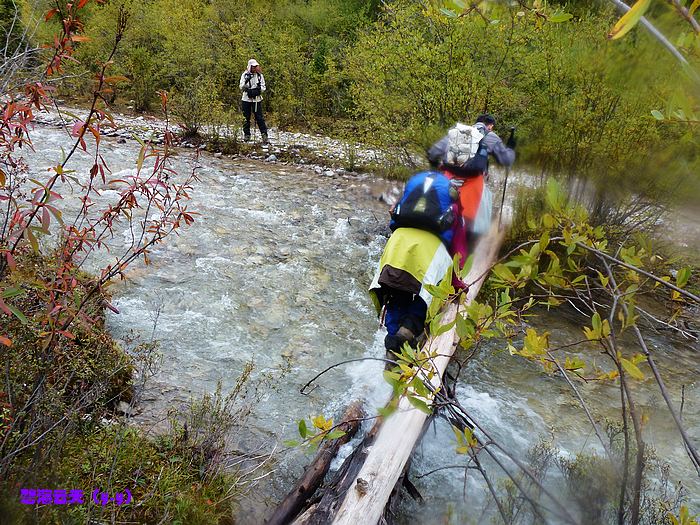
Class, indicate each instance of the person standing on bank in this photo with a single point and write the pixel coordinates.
(253, 85)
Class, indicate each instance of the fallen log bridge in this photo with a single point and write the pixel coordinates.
(361, 489)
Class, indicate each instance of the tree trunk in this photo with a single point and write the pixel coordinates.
(295, 501)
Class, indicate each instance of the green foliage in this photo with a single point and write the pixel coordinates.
(176, 45)
(683, 518)
(466, 441)
(321, 429)
(398, 74)
(581, 103)
(84, 354)
(161, 473)
(629, 19)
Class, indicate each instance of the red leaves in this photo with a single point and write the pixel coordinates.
(79, 132)
(63, 43)
(163, 100)
(188, 217)
(77, 129)
(4, 308)
(95, 133)
(10, 261)
(45, 220)
(115, 79)
(30, 205)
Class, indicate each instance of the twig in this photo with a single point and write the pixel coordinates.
(683, 11)
(583, 405)
(690, 448)
(640, 271)
(303, 389)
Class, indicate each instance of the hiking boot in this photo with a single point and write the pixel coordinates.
(264, 139)
(405, 335)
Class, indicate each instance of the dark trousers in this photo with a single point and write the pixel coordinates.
(403, 309)
(256, 109)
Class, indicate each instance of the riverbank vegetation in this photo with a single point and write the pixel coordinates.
(397, 74)
(64, 426)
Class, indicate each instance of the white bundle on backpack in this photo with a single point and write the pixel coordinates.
(482, 221)
(462, 144)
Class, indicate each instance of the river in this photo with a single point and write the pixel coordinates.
(274, 271)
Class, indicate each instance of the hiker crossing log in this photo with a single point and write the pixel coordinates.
(364, 502)
(360, 490)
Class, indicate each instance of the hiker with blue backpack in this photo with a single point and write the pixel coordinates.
(438, 216)
(415, 256)
(463, 156)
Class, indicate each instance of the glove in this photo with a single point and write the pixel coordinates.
(511, 143)
(433, 160)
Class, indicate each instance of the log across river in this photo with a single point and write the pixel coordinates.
(373, 471)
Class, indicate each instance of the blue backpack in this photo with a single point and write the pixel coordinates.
(426, 204)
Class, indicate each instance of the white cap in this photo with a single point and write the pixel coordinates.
(252, 62)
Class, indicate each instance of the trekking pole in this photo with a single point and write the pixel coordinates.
(503, 197)
(505, 184)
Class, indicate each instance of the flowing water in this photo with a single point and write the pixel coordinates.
(274, 271)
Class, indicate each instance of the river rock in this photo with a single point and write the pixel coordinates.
(186, 249)
(271, 158)
(125, 408)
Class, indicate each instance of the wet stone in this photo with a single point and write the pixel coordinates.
(124, 408)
